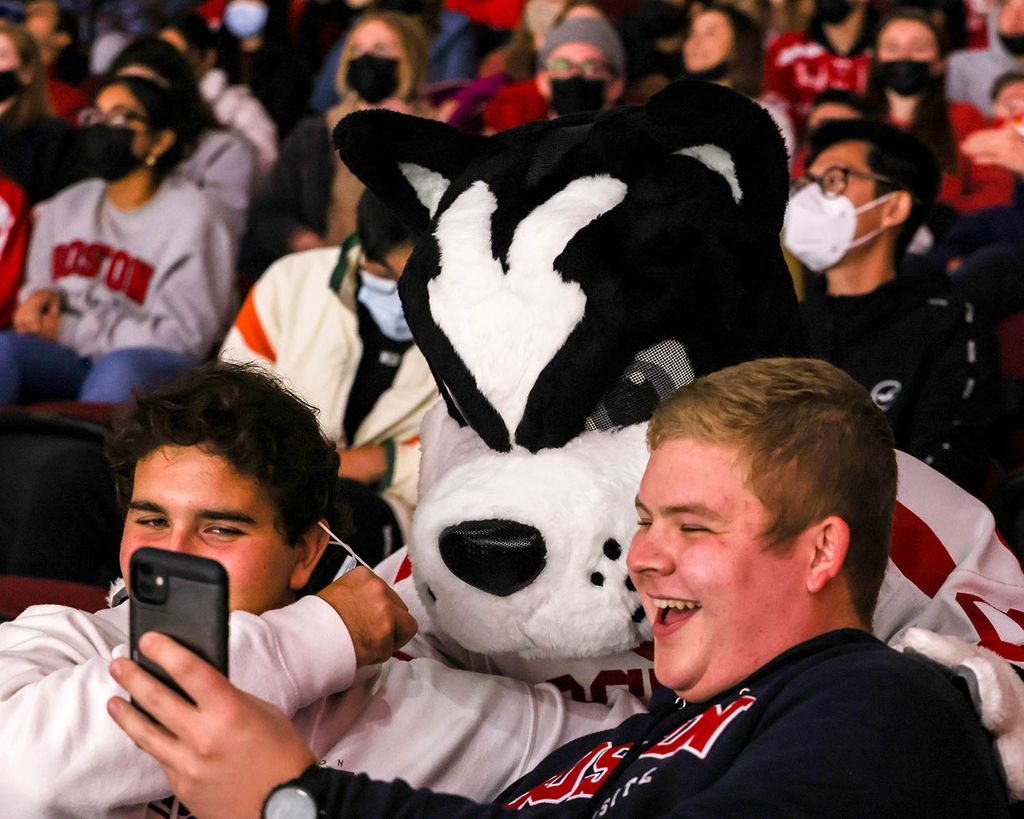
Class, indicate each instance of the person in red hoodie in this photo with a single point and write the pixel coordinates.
(906, 84)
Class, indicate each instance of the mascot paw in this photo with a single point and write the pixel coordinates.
(997, 691)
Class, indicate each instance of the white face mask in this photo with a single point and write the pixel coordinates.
(819, 230)
(380, 297)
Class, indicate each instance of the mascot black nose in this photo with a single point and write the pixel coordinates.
(498, 556)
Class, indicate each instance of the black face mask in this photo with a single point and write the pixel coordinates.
(575, 95)
(711, 74)
(833, 11)
(372, 78)
(108, 151)
(1014, 43)
(905, 77)
(9, 85)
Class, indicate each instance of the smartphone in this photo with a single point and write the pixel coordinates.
(184, 597)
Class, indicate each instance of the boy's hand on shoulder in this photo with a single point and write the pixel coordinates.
(377, 619)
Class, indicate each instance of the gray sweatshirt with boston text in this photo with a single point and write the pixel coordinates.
(158, 276)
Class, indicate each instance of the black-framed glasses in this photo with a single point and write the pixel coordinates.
(117, 117)
(835, 178)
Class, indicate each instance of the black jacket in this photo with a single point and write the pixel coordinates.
(43, 158)
(296, 196)
(927, 361)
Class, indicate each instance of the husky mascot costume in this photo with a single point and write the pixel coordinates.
(573, 273)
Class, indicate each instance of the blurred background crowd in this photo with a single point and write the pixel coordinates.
(162, 161)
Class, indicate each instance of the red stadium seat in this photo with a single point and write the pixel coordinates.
(18, 593)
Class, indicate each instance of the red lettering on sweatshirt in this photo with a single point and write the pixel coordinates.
(632, 678)
(139, 282)
(696, 736)
(582, 780)
(121, 272)
(699, 734)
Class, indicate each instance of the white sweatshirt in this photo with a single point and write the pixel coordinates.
(64, 756)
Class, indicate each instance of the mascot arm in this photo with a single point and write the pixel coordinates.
(949, 571)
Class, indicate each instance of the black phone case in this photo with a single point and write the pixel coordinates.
(195, 611)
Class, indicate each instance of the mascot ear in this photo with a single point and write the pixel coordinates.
(408, 162)
(730, 134)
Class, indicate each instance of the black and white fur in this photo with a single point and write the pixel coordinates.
(574, 272)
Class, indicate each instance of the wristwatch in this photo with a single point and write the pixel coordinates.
(296, 799)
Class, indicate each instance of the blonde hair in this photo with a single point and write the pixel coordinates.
(31, 103)
(412, 62)
(814, 445)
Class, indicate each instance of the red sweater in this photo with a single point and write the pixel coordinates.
(65, 99)
(974, 186)
(798, 68)
(513, 105)
(494, 13)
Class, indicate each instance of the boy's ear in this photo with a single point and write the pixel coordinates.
(407, 161)
(308, 550)
(830, 540)
(897, 210)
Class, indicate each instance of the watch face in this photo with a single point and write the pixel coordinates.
(290, 802)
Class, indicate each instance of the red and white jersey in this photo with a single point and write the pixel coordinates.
(949, 572)
(798, 68)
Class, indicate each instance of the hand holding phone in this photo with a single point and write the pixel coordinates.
(184, 597)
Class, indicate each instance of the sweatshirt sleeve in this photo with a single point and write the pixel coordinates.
(186, 309)
(43, 237)
(226, 173)
(67, 757)
(454, 730)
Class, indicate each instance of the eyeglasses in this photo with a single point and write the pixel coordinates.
(591, 69)
(117, 117)
(834, 180)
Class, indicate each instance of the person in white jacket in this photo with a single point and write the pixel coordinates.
(330, 323)
(227, 464)
(234, 106)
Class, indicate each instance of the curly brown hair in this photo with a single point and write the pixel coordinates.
(244, 415)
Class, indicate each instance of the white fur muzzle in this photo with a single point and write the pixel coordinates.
(578, 496)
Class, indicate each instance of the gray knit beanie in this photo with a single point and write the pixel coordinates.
(596, 31)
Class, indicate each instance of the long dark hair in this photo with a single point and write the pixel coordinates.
(930, 123)
(193, 116)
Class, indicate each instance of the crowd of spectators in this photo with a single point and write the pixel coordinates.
(158, 156)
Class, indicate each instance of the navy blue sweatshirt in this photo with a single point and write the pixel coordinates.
(840, 725)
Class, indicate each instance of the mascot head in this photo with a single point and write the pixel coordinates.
(571, 274)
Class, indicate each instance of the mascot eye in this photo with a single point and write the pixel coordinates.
(653, 374)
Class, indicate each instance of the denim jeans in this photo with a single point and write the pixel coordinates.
(34, 369)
